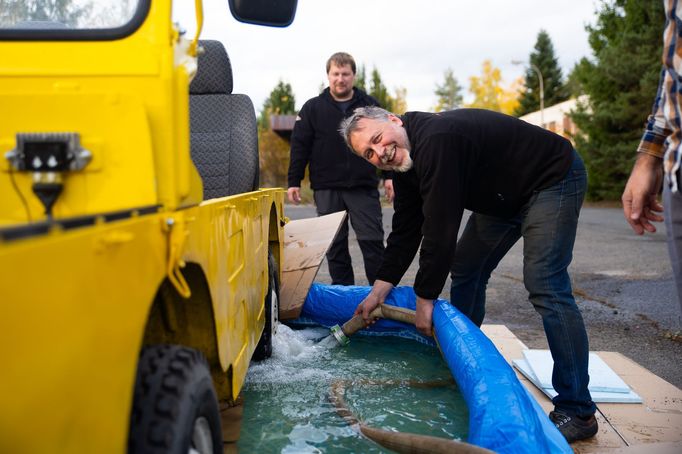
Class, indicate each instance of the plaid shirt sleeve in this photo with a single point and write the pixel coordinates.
(657, 130)
(663, 125)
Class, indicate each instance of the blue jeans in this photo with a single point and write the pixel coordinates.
(547, 223)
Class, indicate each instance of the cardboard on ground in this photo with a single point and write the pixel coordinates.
(652, 427)
(306, 242)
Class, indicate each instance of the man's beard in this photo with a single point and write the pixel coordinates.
(342, 93)
(405, 165)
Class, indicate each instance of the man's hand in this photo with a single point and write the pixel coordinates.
(424, 316)
(640, 203)
(377, 295)
(294, 195)
(388, 190)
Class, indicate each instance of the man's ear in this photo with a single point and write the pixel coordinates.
(395, 119)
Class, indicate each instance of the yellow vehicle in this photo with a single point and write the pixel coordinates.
(137, 278)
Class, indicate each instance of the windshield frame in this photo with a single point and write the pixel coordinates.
(84, 34)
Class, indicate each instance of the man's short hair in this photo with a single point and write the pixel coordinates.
(341, 59)
(349, 125)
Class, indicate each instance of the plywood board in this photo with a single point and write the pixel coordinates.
(306, 242)
(658, 419)
(655, 424)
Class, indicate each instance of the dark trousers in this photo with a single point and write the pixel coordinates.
(672, 201)
(364, 211)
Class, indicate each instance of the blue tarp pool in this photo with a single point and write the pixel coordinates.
(503, 416)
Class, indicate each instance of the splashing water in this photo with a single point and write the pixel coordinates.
(286, 398)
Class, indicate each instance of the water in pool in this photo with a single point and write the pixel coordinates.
(386, 382)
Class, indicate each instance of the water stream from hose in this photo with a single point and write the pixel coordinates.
(287, 406)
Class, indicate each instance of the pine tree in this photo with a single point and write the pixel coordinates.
(621, 82)
(273, 150)
(449, 94)
(378, 91)
(542, 58)
(360, 78)
(280, 102)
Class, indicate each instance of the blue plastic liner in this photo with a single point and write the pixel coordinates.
(330, 305)
(503, 416)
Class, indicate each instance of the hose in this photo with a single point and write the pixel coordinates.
(400, 442)
(356, 323)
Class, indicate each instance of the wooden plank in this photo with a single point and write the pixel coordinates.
(295, 292)
(306, 242)
(659, 418)
(655, 426)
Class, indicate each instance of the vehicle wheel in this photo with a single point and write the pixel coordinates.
(264, 347)
(175, 408)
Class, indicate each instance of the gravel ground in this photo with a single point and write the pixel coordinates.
(622, 283)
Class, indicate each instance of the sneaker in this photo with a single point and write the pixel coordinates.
(574, 428)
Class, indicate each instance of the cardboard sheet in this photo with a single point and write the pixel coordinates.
(654, 426)
(306, 242)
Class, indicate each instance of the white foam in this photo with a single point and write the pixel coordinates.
(307, 432)
(295, 355)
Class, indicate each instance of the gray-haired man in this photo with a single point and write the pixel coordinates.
(518, 180)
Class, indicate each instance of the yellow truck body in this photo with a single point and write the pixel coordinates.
(129, 255)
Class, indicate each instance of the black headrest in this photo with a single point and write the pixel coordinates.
(214, 72)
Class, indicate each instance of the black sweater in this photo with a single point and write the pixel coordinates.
(473, 159)
(315, 140)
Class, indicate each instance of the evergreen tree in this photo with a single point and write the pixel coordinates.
(273, 150)
(554, 90)
(280, 102)
(361, 78)
(449, 94)
(378, 91)
(621, 83)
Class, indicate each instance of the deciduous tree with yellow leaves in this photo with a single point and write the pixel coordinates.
(490, 94)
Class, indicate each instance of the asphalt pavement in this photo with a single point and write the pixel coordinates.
(622, 282)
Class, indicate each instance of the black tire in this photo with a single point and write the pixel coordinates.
(175, 408)
(264, 347)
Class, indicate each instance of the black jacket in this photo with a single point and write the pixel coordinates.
(316, 141)
(473, 159)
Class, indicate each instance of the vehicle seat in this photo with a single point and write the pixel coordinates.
(224, 135)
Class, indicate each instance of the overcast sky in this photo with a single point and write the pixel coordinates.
(410, 42)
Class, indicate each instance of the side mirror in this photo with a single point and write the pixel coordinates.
(275, 13)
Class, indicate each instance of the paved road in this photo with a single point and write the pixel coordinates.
(622, 282)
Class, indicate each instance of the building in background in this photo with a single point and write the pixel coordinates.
(556, 118)
(282, 125)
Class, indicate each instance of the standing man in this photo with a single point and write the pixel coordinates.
(340, 180)
(660, 146)
(518, 180)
